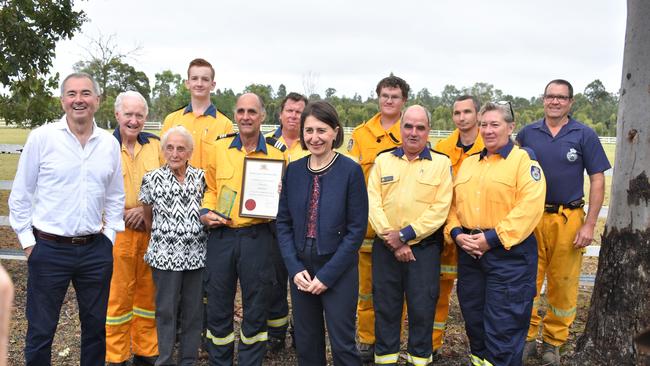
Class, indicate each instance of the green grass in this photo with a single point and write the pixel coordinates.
(8, 164)
(13, 135)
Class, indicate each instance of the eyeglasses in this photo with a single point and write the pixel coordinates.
(386, 97)
(505, 102)
(560, 98)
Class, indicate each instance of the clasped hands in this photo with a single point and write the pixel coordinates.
(473, 244)
(401, 251)
(305, 283)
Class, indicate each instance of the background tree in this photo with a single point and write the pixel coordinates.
(106, 63)
(620, 302)
(29, 31)
(168, 94)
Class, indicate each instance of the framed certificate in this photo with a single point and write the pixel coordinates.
(261, 187)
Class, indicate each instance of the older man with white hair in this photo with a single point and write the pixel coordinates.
(130, 322)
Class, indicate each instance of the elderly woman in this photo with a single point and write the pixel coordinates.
(498, 200)
(321, 222)
(177, 247)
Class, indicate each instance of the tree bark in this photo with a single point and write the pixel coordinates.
(620, 303)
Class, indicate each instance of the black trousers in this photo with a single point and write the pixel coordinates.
(336, 306)
(51, 267)
(419, 282)
(242, 254)
(278, 321)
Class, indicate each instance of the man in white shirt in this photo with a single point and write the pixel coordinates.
(66, 206)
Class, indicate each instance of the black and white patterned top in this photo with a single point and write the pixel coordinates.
(178, 240)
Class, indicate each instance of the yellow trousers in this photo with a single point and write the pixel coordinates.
(365, 309)
(448, 273)
(560, 263)
(130, 320)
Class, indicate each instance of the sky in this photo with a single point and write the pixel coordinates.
(518, 46)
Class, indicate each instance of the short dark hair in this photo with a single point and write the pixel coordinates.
(199, 62)
(394, 82)
(326, 113)
(477, 104)
(296, 97)
(561, 82)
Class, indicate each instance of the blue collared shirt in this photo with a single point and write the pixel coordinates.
(565, 157)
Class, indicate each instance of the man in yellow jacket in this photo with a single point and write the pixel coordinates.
(463, 142)
(379, 133)
(200, 117)
(130, 320)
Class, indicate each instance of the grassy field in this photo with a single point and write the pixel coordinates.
(8, 162)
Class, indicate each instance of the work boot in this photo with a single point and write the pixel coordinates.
(550, 355)
(275, 345)
(123, 363)
(367, 352)
(144, 360)
(530, 350)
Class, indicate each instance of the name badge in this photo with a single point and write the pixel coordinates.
(387, 179)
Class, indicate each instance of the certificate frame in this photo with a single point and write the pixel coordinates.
(260, 195)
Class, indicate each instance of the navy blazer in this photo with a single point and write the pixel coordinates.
(342, 216)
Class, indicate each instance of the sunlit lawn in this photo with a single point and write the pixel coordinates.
(8, 162)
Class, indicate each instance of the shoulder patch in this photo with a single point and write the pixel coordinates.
(535, 172)
(387, 150)
(530, 152)
(276, 143)
(225, 136)
(438, 152)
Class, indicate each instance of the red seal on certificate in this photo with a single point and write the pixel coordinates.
(250, 204)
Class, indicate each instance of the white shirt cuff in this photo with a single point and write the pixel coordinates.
(110, 234)
(27, 239)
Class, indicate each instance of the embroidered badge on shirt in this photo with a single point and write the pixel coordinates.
(387, 179)
(572, 155)
(535, 172)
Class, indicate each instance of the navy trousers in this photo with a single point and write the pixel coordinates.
(244, 254)
(51, 268)
(419, 282)
(496, 295)
(336, 306)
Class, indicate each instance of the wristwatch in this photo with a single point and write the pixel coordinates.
(401, 237)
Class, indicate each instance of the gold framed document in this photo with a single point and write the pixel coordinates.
(260, 189)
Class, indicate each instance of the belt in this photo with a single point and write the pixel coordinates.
(557, 207)
(74, 240)
(473, 231)
(252, 230)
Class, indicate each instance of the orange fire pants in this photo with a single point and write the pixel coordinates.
(560, 262)
(131, 322)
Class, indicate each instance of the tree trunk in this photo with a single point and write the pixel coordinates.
(620, 303)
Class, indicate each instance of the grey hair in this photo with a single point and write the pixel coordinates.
(503, 108)
(178, 130)
(81, 75)
(127, 94)
(426, 112)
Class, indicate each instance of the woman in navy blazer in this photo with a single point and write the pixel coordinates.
(321, 222)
